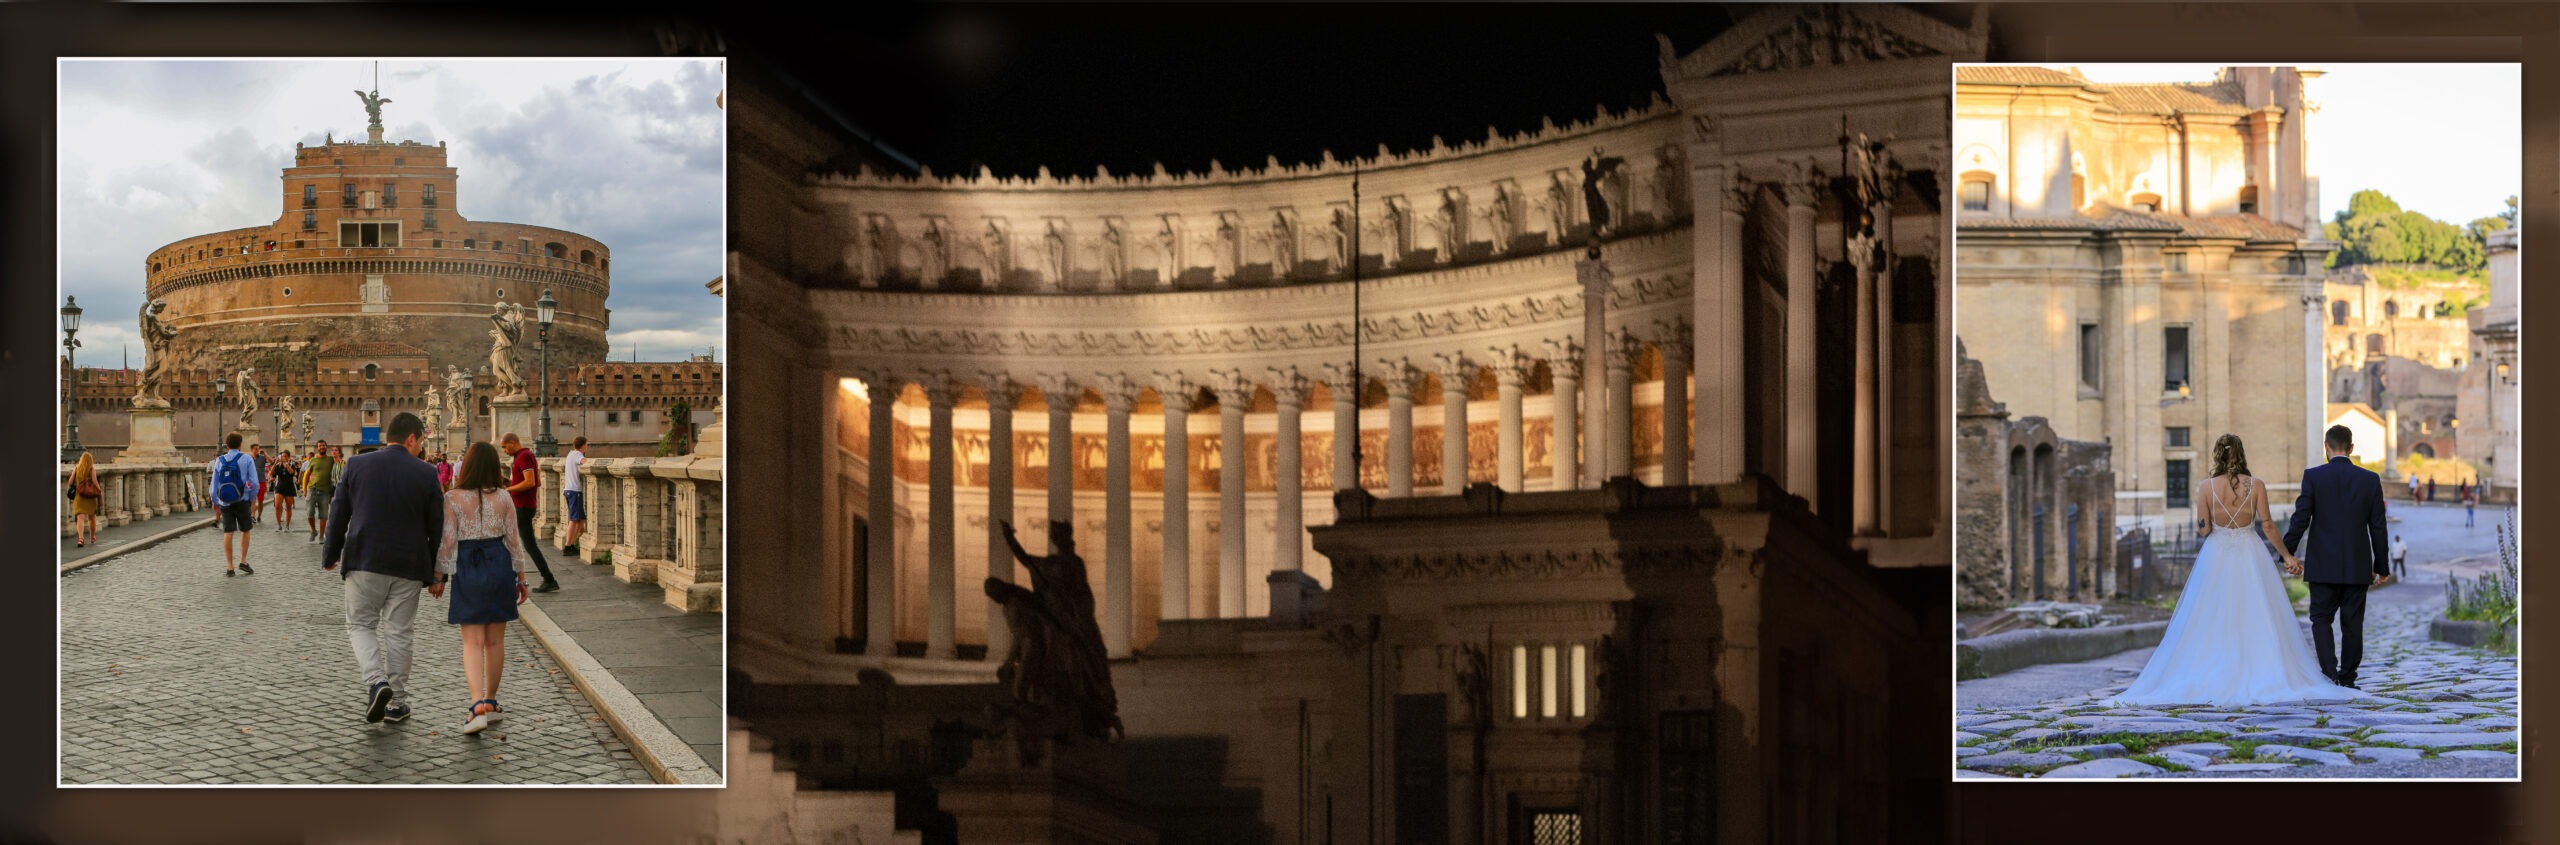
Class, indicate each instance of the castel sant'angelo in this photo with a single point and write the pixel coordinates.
(372, 248)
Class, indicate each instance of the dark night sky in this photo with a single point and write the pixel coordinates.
(1018, 87)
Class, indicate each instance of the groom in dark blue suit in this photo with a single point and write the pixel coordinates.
(2341, 508)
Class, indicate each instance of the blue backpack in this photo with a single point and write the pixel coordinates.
(230, 482)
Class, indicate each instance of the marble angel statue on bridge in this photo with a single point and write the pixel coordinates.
(506, 327)
(157, 332)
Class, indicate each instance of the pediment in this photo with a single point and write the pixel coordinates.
(1790, 37)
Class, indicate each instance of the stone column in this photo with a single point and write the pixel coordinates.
(1884, 412)
(2312, 385)
(1119, 630)
(1060, 392)
(1400, 378)
(942, 541)
(1289, 388)
(1863, 258)
(1002, 394)
(1457, 376)
(1346, 425)
(1180, 396)
(1673, 339)
(1596, 278)
(111, 506)
(1802, 189)
(1564, 367)
(880, 562)
(1509, 368)
(1718, 303)
(1234, 394)
(1622, 353)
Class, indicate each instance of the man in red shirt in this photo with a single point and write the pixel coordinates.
(525, 483)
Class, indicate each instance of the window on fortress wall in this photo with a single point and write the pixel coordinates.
(431, 224)
(427, 196)
(310, 222)
(390, 195)
(2179, 437)
(2091, 356)
(586, 256)
(310, 196)
(372, 371)
(2249, 199)
(2390, 309)
(349, 198)
(470, 243)
(2173, 353)
(612, 417)
(1976, 192)
(555, 250)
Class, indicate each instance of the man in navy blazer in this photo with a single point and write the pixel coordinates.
(2341, 509)
(384, 524)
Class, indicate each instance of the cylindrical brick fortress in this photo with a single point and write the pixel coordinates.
(371, 246)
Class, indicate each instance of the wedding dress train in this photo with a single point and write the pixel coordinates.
(2233, 640)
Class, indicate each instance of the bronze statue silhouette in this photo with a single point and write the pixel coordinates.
(1058, 678)
(373, 106)
(1595, 170)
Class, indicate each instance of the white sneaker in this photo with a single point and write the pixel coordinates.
(479, 722)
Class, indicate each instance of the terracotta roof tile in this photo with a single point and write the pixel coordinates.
(2017, 75)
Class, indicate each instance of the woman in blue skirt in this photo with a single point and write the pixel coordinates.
(483, 560)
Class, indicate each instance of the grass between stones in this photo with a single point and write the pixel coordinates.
(2134, 744)
(2157, 760)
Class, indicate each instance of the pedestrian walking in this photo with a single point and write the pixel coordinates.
(319, 480)
(234, 492)
(2431, 491)
(482, 558)
(2470, 503)
(573, 495)
(2399, 556)
(385, 525)
(525, 481)
(287, 482)
(258, 512)
(2413, 488)
(84, 494)
(444, 472)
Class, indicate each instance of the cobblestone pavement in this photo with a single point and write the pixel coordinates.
(172, 673)
(2450, 711)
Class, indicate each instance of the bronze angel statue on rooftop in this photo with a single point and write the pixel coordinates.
(372, 105)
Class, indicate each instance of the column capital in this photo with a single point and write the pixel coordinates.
(1457, 374)
(1235, 391)
(940, 388)
(1564, 357)
(1623, 349)
(1338, 380)
(1510, 366)
(881, 380)
(1178, 391)
(1289, 386)
(1002, 391)
(1737, 192)
(1674, 338)
(1801, 183)
(1054, 385)
(1400, 376)
(1119, 392)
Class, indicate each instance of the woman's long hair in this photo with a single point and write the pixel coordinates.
(479, 469)
(2229, 457)
(84, 470)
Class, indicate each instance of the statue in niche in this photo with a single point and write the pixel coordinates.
(246, 384)
(1053, 252)
(1452, 221)
(1392, 232)
(1500, 216)
(998, 247)
(1115, 254)
(1169, 248)
(937, 253)
(1595, 203)
(881, 255)
(1058, 678)
(1284, 246)
(1473, 691)
(1341, 240)
(1224, 247)
(158, 329)
(1559, 211)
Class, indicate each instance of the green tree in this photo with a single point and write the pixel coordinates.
(2369, 202)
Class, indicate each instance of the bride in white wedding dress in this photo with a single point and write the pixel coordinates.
(2233, 640)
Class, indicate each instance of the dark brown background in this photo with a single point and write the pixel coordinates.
(32, 810)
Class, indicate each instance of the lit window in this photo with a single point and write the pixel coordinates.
(1581, 703)
(1519, 670)
(1547, 681)
(1977, 195)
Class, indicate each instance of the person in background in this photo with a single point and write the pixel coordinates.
(319, 479)
(525, 481)
(573, 494)
(84, 493)
(287, 482)
(2400, 555)
(2470, 503)
(385, 525)
(257, 512)
(234, 492)
(444, 472)
(2431, 491)
(482, 558)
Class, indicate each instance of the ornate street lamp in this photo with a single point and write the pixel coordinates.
(70, 380)
(543, 445)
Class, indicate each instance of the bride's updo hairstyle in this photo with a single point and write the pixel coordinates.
(2228, 457)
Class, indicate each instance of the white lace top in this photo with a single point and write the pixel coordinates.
(478, 515)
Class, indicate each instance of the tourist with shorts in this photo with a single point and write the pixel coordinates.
(234, 494)
(257, 512)
(385, 524)
(573, 494)
(319, 479)
(287, 482)
(84, 493)
(525, 481)
(482, 559)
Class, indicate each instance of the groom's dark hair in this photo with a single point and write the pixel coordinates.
(2340, 439)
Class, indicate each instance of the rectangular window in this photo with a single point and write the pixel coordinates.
(1977, 195)
(311, 221)
(1519, 681)
(612, 417)
(1555, 828)
(2177, 262)
(2177, 438)
(1575, 676)
(2178, 484)
(390, 195)
(427, 196)
(310, 196)
(2092, 357)
(1547, 671)
(2173, 357)
(348, 199)
(431, 222)
(1687, 741)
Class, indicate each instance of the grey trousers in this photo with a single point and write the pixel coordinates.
(380, 609)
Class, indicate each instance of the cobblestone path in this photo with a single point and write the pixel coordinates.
(172, 673)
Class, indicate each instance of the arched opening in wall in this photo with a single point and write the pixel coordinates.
(555, 249)
(155, 266)
(605, 264)
(2390, 308)
(1975, 190)
(372, 372)
(2374, 345)
(2338, 313)
(2248, 199)
(2145, 202)
(586, 256)
(2424, 450)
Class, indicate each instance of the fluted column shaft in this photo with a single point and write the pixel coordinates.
(1883, 366)
(941, 537)
(1622, 405)
(1002, 394)
(1564, 368)
(1399, 432)
(1288, 481)
(1177, 395)
(1507, 446)
(1346, 427)
(1675, 407)
(1061, 474)
(1456, 377)
(880, 561)
(1800, 474)
(1119, 630)
(1231, 405)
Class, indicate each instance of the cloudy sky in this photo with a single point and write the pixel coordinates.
(2466, 120)
(627, 152)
